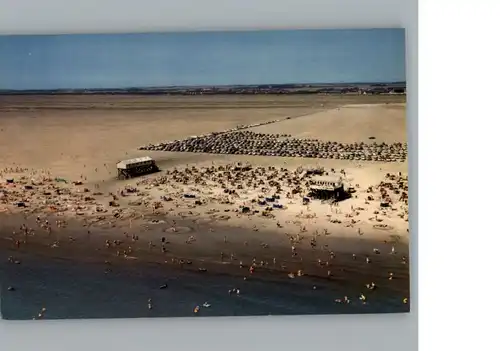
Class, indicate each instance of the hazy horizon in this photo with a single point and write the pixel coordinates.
(214, 86)
(203, 59)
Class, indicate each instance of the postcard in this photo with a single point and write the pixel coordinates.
(197, 174)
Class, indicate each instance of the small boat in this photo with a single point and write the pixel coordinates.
(206, 305)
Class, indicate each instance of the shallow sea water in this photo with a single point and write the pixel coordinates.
(70, 290)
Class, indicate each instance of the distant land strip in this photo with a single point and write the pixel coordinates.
(271, 89)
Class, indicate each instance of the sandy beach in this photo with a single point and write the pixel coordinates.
(59, 196)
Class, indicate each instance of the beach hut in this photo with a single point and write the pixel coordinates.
(136, 167)
(327, 187)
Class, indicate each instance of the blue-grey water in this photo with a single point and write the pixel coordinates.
(202, 58)
(70, 290)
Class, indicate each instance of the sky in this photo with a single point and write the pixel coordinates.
(201, 58)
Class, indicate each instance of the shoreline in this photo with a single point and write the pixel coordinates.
(275, 263)
(324, 285)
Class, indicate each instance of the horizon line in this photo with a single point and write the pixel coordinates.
(204, 86)
(184, 30)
